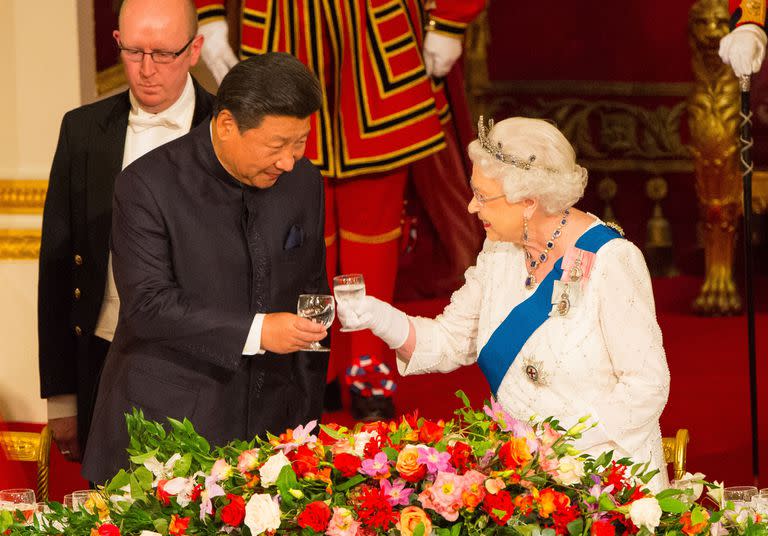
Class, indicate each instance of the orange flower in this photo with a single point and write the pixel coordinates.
(689, 528)
(546, 502)
(515, 453)
(410, 517)
(408, 466)
(178, 525)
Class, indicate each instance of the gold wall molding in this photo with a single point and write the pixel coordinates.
(19, 244)
(110, 79)
(22, 196)
(594, 88)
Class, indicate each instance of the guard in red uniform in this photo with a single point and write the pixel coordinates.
(380, 63)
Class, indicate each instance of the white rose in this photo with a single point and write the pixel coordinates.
(262, 513)
(569, 471)
(645, 513)
(271, 469)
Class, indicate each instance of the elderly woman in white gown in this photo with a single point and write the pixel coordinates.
(558, 310)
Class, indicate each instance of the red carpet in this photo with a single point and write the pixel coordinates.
(709, 394)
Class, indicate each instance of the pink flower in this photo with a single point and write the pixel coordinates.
(378, 466)
(444, 496)
(396, 492)
(435, 461)
(248, 460)
(299, 436)
(342, 523)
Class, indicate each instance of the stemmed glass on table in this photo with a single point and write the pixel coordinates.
(20, 499)
(348, 288)
(319, 308)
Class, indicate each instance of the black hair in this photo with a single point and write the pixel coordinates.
(274, 83)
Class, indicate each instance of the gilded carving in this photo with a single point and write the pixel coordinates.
(713, 117)
(19, 244)
(22, 196)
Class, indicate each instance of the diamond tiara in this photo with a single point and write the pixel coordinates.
(497, 151)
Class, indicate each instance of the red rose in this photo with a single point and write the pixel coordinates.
(602, 528)
(347, 464)
(461, 456)
(430, 432)
(303, 461)
(233, 513)
(499, 506)
(162, 495)
(515, 453)
(108, 529)
(315, 516)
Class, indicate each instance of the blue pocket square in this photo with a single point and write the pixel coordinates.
(295, 237)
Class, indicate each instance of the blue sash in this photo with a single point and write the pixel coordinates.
(505, 343)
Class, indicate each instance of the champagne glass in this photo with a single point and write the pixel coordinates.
(20, 499)
(68, 503)
(318, 308)
(348, 288)
(80, 499)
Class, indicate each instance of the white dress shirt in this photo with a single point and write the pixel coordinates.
(604, 358)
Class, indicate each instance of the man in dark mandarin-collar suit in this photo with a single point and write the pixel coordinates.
(77, 303)
(215, 235)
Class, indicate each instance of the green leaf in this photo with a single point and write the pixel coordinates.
(6, 520)
(145, 477)
(137, 492)
(604, 459)
(181, 467)
(460, 394)
(161, 525)
(548, 532)
(669, 492)
(456, 528)
(576, 527)
(121, 480)
(673, 506)
(286, 481)
(335, 434)
(697, 516)
(390, 452)
(419, 530)
(352, 482)
(141, 458)
(606, 504)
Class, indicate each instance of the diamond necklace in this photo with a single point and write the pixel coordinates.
(532, 264)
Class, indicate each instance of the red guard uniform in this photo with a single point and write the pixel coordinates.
(747, 12)
(380, 112)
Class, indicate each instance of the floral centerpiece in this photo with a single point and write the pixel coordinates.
(481, 473)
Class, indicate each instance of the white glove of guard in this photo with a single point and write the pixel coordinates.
(217, 54)
(440, 53)
(744, 49)
(389, 324)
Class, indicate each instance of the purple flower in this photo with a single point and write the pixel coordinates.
(434, 460)
(379, 465)
(396, 492)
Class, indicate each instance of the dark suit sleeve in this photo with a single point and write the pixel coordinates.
(56, 341)
(152, 304)
(321, 275)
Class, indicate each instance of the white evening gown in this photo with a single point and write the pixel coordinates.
(604, 358)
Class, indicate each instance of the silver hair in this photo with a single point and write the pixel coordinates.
(554, 179)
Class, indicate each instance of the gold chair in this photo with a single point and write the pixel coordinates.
(675, 450)
(30, 447)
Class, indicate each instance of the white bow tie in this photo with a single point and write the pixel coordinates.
(140, 123)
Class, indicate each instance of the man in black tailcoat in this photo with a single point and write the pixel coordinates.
(77, 300)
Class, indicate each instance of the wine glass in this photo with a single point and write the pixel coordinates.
(318, 308)
(68, 503)
(20, 499)
(348, 288)
(80, 498)
(740, 496)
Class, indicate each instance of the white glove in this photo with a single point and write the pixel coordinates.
(440, 53)
(217, 54)
(744, 49)
(387, 323)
